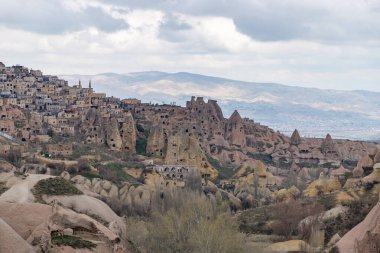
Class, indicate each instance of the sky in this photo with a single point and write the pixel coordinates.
(333, 44)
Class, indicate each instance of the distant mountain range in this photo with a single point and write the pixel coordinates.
(314, 112)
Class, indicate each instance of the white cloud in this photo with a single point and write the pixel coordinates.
(209, 41)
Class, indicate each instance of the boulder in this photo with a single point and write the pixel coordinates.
(376, 158)
(321, 186)
(68, 231)
(66, 175)
(374, 176)
(291, 246)
(87, 205)
(10, 241)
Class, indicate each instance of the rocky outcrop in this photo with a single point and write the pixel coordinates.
(322, 186)
(119, 133)
(185, 149)
(235, 131)
(328, 145)
(364, 163)
(81, 204)
(92, 127)
(20, 187)
(206, 116)
(295, 139)
(35, 223)
(6, 166)
(292, 246)
(374, 177)
(236, 140)
(376, 158)
(11, 241)
(339, 173)
(156, 142)
(364, 237)
(128, 134)
(113, 138)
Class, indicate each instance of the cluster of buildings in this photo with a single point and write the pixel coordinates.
(34, 107)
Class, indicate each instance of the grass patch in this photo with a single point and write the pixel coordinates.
(265, 158)
(90, 175)
(81, 150)
(224, 171)
(255, 221)
(72, 241)
(55, 186)
(142, 139)
(115, 173)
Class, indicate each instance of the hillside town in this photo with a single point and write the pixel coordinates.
(137, 158)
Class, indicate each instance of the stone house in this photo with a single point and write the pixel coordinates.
(177, 172)
(60, 149)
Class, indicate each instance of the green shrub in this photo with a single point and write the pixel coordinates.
(141, 146)
(55, 186)
(90, 175)
(114, 172)
(72, 241)
(256, 220)
(81, 150)
(50, 132)
(224, 171)
(14, 156)
(194, 225)
(140, 128)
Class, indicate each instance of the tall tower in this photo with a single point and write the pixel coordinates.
(90, 90)
(80, 84)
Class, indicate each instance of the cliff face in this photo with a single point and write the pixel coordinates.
(113, 138)
(156, 142)
(118, 132)
(234, 132)
(234, 140)
(184, 149)
(128, 134)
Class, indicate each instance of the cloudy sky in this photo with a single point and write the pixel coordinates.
(324, 43)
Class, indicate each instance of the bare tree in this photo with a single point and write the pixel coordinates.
(287, 216)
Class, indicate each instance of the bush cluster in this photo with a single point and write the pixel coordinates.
(72, 241)
(55, 186)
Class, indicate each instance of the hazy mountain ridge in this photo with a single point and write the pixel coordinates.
(344, 114)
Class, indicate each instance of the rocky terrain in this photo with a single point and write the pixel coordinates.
(77, 168)
(282, 107)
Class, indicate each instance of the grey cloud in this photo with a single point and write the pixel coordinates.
(50, 17)
(173, 28)
(273, 20)
(265, 20)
